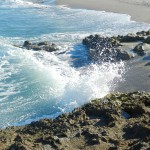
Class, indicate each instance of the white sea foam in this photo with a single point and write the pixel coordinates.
(45, 84)
(23, 3)
(35, 85)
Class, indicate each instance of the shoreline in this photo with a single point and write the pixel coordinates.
(90, 127)
(137, 9)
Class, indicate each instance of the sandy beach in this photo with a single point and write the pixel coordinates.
(139, 10)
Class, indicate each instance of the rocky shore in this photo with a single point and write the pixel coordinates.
(102, 48)
(114, 48)
(117, 121)
(37, 46)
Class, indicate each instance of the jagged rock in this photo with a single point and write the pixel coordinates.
(27, 43)
(40, 46)
(94, 41)
(148, 32)
(147, 64)
(122, 55)
(50, 48)
(142, 33)
(147, 40)
(42, 43)
(35, 47)
(107, 129)
(141, 48)
(104, 48)
(132, 38)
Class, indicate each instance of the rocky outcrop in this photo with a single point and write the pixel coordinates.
(147, 40)
(143, 33)
(104, 48)
(117, 121)
(110, 48)
(132, 38)
(141, 48)
(40, 46)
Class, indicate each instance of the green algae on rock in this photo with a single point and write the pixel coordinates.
(117, 121)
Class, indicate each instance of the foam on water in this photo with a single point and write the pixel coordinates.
(35, 85)
(23, 3)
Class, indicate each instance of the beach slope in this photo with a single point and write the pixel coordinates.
(139, 10)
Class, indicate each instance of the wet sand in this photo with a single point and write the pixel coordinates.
(139, 10)
(137, 76)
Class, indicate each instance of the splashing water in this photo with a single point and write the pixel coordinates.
(35, 85)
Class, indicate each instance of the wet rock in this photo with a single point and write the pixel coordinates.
(50, 48)
(104, 48)
(35, 47)
(147, 64)
(40, 46)
(141, 48)
(148, 32)
(142, 33)
(147, 40)
(132, 38)
(27, 43)
(110, 48)
(42, 43)
(122, 55)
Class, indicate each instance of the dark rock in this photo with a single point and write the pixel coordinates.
(27, 43)
(138, 130)
(122, 55)
(142, 33)
(132, 38)
(148, 32)
(104, 48)
(141, 48)
(147, 40)
(36, 47)
(147, 64)
(112, 148)
(40, 46)
(50, 48)
(42, 43)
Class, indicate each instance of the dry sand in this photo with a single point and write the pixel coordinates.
(139, 10)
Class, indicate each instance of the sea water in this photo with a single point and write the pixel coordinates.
(38, 84)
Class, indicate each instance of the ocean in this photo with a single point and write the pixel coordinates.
(39, 84)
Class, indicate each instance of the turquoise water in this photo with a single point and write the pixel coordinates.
(35, 85)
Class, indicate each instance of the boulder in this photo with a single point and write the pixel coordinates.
(148, 32)
(96, 41)
(35, 47)
(142, 33)
(42, 43)
(141, 48)
(104, 48)
(50, 48)
(147, 40)
(40, 46)
(132, 38)
(27, 43)
(122, 55)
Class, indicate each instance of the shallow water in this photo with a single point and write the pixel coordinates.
(35, 85)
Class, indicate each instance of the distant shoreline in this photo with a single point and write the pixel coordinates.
(139, 10)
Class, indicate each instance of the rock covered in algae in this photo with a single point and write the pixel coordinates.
(117, 121)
